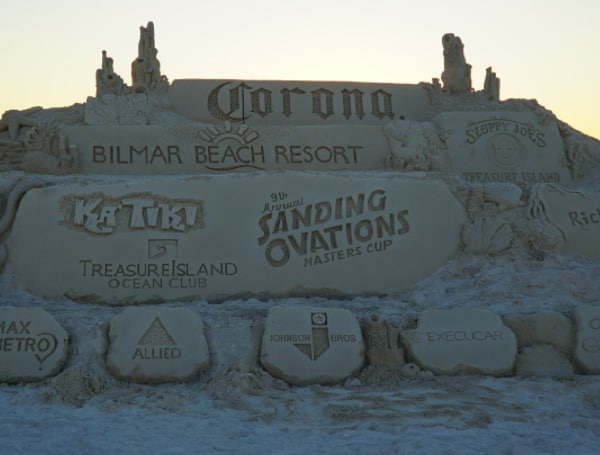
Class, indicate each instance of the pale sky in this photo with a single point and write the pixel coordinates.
(543, 49)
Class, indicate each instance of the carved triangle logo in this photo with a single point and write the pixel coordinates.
(156, 344)
(156, 335)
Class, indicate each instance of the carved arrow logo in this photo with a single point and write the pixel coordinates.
(320, 337)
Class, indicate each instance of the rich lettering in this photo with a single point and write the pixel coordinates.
(584, 219)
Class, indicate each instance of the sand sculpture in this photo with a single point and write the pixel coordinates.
(213, 189)
(497, 169)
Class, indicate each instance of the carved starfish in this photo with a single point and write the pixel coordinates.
(13, 120)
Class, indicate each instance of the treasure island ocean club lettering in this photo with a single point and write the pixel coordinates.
(173, 274)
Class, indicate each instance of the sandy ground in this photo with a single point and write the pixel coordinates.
(237, 407)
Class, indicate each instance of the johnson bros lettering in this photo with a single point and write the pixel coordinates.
(330, 230)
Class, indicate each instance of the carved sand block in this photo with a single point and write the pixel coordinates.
(152, 345)
(297, 102)
(239, 234)
(33, 345)
(548, 327)
(507, 147)
(572, 217)
(543, 360)
(462, 341)
(382, 339)
(234, 347)
(587, 349)
(304, 345)
(226, 148)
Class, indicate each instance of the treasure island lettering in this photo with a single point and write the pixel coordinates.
(330, 241)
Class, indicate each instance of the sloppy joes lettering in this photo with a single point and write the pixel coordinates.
(488, 127)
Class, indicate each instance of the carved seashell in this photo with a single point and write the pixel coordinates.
(545, 237)
(487, 236)
(440, 162)
(410, 370)
(506, 195)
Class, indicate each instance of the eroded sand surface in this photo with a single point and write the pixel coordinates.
(237, 407)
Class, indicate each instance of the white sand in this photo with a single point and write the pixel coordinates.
(236, 407)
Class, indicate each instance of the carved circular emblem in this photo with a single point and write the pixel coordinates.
(319, 318)
(595, 324)
(590, 344)
(505, 151)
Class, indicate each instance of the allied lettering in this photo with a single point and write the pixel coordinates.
(156, 353)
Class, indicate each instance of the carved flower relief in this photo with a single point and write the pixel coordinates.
(543, 238)
(489, 233)
(487, 236)
(415, 146)
(576, 158)
(38, 138)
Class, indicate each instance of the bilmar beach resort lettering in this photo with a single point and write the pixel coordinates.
(328, 231)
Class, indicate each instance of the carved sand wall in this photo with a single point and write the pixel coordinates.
(296, 173)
